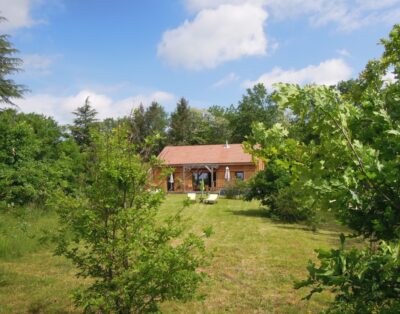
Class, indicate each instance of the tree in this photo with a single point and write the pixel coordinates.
(8, 65)
(156, 120)
(350, 164)
(84, 121)
(255, 106)
(36, 157)
(181, 124)
(147, 129)
(209, 127)
(112, 236)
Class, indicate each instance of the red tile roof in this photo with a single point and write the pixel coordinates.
(205, 154)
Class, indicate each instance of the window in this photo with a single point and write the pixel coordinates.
(203, 175)
(239, 175)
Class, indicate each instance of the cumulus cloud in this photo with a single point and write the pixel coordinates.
(61, 108)
(328, 72)
(17, 13)
(214, 36)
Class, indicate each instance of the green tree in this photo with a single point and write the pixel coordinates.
(84, 121)
(36, 157)
(8, 65)
(350, 164)
(181, 124)
(137, 126)
(113, 237)
(209, 127)
(256, 106)
(147, 129)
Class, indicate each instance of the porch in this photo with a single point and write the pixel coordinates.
(187, 178)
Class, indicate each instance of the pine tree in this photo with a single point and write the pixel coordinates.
(8, 65)
(181, 124)
(85, 119)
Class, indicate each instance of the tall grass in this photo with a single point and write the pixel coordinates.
(22, 229)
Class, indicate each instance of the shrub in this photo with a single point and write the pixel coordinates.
(265, 185)
(289, 207)
(235, 189)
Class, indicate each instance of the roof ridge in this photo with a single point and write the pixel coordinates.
(223, 144)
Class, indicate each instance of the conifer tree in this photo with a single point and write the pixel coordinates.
(85, 119)
(8, 65)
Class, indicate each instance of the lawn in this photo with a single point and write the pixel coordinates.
(254, 263)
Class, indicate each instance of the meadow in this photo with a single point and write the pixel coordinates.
(254, 261)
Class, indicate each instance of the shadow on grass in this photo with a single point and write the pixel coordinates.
(327, 225)
(251, 213)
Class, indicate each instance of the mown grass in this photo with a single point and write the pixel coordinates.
(255, 261)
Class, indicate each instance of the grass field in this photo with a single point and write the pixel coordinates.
(255, 261)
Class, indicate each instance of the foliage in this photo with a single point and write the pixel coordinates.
(266, 184)
(346, 159)
(364, 281)
(8, 66)
(36, 157)
(147, 129)
(281, 184)
(84, 121)
(112, 236)
(181, 124)
(234, 189)
(256, 105)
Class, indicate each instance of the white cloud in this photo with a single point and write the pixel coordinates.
(61, 108)
(328, 72)
(214, 36)
(343, 52)
(346, 14)
(230, 78)
(17, 13)
(38, 65)
(198, 5)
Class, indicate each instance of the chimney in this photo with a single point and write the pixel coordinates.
(226, 144)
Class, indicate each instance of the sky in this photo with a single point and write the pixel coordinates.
(125, 52)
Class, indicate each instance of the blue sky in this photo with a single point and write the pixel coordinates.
(123, 53)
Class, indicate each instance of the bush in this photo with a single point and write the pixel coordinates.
(235, 189)
(266, 184)
(272, 187)
(290, 208)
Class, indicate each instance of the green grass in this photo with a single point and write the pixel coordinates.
(255, 261)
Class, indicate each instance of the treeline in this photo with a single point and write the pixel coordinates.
(191, 126)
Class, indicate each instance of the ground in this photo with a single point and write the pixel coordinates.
(253, 266)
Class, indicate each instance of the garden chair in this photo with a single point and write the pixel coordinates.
(191, 197)
(211, 199)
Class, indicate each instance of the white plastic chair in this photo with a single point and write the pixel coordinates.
(192, 197)
(211, 199)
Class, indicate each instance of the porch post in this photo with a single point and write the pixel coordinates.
(183, 172)
(212, 178)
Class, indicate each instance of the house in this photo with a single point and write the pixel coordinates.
(215, 164)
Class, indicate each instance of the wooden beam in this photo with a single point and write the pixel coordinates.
(184, 185)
